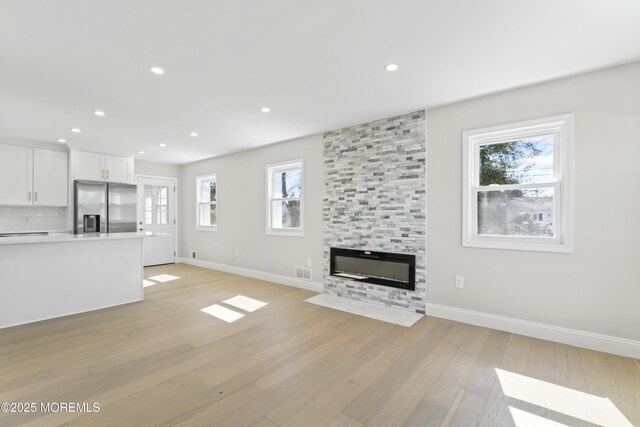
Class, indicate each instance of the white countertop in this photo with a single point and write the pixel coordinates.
(66, 237)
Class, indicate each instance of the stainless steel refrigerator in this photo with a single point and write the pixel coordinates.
(101, 207)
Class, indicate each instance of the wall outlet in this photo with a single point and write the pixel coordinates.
(309, 262)
(459, 282)
(237, 252)
(193, 254)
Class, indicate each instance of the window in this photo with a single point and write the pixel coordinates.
(156, 204)
(285, 203)
(517, 186)
(207, 202)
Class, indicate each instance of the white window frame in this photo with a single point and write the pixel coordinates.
(199, 180)
(562, 129)
(270, 170)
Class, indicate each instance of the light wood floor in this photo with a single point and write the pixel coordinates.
(291, 363)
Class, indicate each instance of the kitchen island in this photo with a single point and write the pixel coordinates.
(43, 277)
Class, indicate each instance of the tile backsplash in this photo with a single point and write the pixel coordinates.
(32, 218)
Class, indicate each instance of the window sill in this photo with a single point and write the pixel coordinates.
(212, 228)
(287, 233)
(519, 246)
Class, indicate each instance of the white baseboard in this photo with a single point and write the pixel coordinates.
(270, 277)
(590, 340)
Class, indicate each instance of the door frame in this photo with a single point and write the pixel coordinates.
(176, 210)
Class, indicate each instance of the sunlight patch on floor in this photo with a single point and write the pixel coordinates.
(527, 419)
(146, 283)
(245, 303)
(577, 404)
(162, 278)
(222, 313)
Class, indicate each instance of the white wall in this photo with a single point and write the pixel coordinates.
(142, 167)
(595, 289)
(242, 210)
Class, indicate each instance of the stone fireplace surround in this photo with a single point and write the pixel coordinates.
(375, 199)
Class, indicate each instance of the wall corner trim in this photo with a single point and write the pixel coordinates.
(261, 275)
(574, 337)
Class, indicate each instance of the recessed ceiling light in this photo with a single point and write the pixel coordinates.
(75, 130)
(162, 144)
(391, 67)
(194, 134)
(99, 113)
(62, 140)
(140, 152)
(156, 70)
(265, 109)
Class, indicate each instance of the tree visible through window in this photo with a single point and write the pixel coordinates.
(285, 198)
(517, 185)
(510, 212)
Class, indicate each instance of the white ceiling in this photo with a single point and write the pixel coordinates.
(318, 64)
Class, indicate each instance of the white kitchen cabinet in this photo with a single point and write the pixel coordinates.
(32, 176)
(102, 167)
(87, 166)
(50, 177)
(16, 175)
(119, 169)
(54, 276)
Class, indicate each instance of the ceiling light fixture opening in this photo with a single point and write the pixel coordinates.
(194, 134)
(75, 130)
(140, 152)
(99, 113)
(162, 144)
(391, 67)
(156, 70)
(62, 140)
(265, 109)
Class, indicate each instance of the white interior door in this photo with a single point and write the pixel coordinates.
(156, 214)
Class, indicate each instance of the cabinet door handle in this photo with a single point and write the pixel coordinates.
(29, 195)
(35, 199)
(107, 173)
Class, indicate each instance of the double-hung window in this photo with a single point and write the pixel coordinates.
(517, 186)
(207, 202)
(284, 198)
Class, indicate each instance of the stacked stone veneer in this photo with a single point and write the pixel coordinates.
(375, 199)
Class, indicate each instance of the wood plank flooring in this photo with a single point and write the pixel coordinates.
(290, 363)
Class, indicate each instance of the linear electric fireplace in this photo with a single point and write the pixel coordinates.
(380, 268)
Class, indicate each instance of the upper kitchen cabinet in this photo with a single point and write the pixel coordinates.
(50, 177)
(119, 169)
(32, 176)
(101, 167)
(16, 175)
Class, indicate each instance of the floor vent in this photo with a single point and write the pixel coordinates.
(303, 273)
